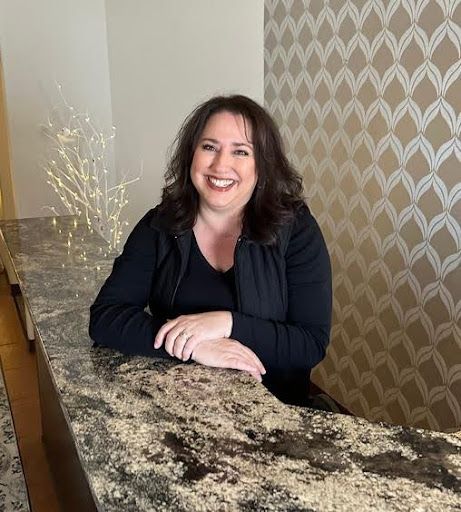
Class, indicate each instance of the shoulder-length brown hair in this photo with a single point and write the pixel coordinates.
(278, 192)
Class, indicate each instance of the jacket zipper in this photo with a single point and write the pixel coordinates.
(180, 272)
(237, 287)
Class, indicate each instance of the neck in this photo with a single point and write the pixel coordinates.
(222, 223)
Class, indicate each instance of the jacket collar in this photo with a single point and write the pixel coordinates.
(159, 222)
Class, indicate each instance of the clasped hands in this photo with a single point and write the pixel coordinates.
(204, 337)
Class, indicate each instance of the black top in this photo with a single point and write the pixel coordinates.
(203, 288)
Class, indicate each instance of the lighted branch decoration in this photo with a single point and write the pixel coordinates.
(79, 174)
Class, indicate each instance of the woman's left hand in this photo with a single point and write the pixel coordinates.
(181, 335)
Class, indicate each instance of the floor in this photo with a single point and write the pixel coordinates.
(19, 366)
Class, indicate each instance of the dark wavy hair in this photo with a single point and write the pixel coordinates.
(278, 193)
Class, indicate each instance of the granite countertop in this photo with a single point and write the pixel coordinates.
(159, 435)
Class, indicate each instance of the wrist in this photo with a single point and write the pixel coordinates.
(228, 324)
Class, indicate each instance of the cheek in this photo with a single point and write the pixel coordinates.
(252, 177)
(199, 163)
(194, 169)
(193, 178)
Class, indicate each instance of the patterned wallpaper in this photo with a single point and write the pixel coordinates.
(368, 97)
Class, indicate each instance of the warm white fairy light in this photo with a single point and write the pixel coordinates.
(79, 174)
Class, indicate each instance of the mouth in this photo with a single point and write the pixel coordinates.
(220, 184)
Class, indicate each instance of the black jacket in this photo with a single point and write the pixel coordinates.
(283, 294)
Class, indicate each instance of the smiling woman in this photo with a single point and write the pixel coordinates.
(223, 167)
(232, 264)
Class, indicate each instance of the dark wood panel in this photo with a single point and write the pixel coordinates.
(72, 485)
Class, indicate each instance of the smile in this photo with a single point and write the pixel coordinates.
(220, 184)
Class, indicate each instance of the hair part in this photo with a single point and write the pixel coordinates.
(278, 192)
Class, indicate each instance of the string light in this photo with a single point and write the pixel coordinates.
(79, 172)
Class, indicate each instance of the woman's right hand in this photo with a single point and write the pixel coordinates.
(228, 353)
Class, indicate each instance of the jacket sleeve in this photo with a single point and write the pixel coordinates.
(118, 318)
(299, 343)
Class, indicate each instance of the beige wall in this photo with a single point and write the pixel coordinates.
(165, 57)
(43, 43)
(367, 95)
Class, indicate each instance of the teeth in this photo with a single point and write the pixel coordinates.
(221, 183)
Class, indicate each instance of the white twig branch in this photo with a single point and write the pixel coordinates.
(79, 174)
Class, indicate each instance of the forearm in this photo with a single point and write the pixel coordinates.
(118, 318)
(125, 328)
(281, 345)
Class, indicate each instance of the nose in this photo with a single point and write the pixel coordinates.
(222, 161)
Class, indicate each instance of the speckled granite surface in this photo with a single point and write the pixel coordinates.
(13, 492)
(156, 435)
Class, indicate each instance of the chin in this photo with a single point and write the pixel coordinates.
(218, 206)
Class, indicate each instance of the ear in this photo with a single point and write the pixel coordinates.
(261, 183)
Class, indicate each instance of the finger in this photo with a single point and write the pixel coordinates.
(238, 363)
(248, 355)
(261, 368)
(178, 345)
(189, 347)
(254, 358)
(256, 376)
(239, 353)
(257, 363)
(172, 335)
(163, 331)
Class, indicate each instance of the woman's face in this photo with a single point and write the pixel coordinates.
(223, 168)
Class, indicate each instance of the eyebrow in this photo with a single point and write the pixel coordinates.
(235, 144)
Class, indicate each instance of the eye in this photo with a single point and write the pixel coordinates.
(208, 147)
(241, 152)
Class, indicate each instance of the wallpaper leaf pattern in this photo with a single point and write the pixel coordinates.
(368, 98)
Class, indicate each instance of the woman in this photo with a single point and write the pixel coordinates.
(231, 264)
